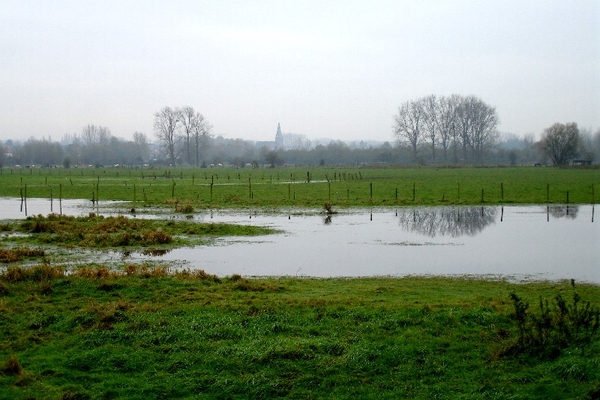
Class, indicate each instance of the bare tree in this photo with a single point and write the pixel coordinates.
(201, 135)
(446, 122)
(431, 121)
(409, 125)
(2, 155)
(560, 142)
(165, 128)
(141, 147)
(484, 133)
(476, 122)
(188, 121)
(95, 144)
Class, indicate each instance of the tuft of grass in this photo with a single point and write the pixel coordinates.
(37, 273)
(12, 366)
(186, 207)
(17, 254)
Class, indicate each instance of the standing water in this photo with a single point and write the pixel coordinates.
(515, 242)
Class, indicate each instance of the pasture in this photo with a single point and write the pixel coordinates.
(307, 187)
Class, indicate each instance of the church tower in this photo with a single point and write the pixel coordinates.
(279, 138)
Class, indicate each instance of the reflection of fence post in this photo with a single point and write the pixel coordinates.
(60, 197)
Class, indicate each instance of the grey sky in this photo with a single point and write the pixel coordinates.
(336, 69)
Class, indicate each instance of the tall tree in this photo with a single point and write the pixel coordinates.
(446, 122)
(142, 151)
(96, 140)
(560, 142)
(165, 128)
(201, 134)
(408, 125)
(431, 121)
(188, 121)
(2, 155)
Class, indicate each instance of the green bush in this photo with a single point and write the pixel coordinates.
(554, 328)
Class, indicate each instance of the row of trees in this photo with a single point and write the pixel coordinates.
(182, 132)
(438, 130)
(95, 145)
(81, 149)
(463, 128)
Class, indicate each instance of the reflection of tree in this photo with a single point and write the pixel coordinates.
(563, 211)
(447, 221)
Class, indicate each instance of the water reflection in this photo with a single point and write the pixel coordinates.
(562, 211)
(447, 221)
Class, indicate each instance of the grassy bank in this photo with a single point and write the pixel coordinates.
(307, 187)
(143, 333)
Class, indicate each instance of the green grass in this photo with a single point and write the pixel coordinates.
(187, 189)
(145, 333)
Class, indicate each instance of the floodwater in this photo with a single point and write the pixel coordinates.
(511, 242)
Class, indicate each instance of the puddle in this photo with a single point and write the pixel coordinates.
(524, 243)
(516, 242)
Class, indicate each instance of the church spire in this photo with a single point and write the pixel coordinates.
(279, 138)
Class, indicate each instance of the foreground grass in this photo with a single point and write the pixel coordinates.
(144, 333)
(186, 189)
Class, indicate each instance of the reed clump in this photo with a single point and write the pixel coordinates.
(96, 231)
(17, 254)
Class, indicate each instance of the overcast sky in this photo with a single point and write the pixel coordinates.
(336, 69)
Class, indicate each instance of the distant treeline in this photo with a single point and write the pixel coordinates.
(97, 147)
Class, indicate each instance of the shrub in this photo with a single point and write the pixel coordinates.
(553, 328)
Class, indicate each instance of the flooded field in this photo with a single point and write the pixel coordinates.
(516, 242)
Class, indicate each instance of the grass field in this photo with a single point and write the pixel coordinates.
(143, 333)
(140, 331)
(308, 187)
